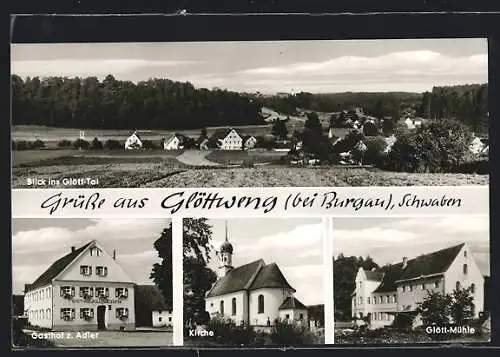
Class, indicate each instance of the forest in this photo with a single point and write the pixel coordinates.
(88, 103)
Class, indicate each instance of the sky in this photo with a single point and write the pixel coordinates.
(388, 240)
(294, 244)
(411, 65)
(37, 243)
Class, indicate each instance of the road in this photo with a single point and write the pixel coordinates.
(196, 158)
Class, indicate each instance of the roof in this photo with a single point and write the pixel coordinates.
(223, 133)
(374, 275)
(251, 276)
(57, 267)
(151, 296)
(136, 135)
(428, 264)
(292, 302)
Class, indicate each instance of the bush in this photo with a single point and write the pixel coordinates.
(113, 144)
(481, 167)
(96, 145)
(21, 145)
(287, 334)
(374, 154)
(81, 144)
(64, 143)
(149, 145)
(38, 144)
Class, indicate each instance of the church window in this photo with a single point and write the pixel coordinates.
(473, 288)
(221, 307)
(465, 268)
(457, 285)
(465, 254)
(233, 306)
(368, 300)
(394, 298)
(260, 309)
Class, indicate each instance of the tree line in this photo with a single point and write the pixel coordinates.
(115, 104)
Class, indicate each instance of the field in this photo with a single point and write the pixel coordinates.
(191, 169)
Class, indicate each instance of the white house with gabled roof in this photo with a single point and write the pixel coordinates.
(133, 141)
(86, 289)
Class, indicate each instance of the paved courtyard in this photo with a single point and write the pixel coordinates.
(119, 339)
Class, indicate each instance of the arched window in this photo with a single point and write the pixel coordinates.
(473, 288)
(260, 309)
(47, 314)
(221, 310)
(465, 268)
(457, 285)
(233, 306)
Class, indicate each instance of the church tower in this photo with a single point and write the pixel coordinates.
(226, 257)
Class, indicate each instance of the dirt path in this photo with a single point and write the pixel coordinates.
(196, 158)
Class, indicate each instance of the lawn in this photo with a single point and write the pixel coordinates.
(237, 157)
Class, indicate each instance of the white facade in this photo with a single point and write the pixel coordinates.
(162, 318)
(250, 143)
(173, 143)
(133, 142)
(383, 306)
(232, 141)
(92, 292)
(476, 146)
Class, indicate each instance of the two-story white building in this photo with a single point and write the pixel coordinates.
(228, 139)
(255, 294)
(84, 290)
(396, 289)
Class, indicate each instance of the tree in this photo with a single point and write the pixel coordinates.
(435, 309)
(161, 273)
(198, 277)
(312, 122)
(279, 129)
(370, 129)
(462, 306)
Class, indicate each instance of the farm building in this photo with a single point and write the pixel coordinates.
(133, 142)
(478, 145)
(173, 143)
(86, 289)
(249, 142)
(151, 308)
(228, 139)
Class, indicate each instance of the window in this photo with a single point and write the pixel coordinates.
(287, 316)
(394, 298)
(48, 293)
(211, 304)
(465, 254)
(86, 292)
(473, 288)
(233, 306)
(41, 294)
(360, 284)
(122, 312)
(260, 309)
(101, 271)
(159, 319)
(47, 314)
(465, 268)
(170, 319)
(101, 292)
(221, 309)
(381, 300)
(67, 313)
(301, 317)
(387, 299)
(95, 252)
(86, 313)
(410, 287)
(360, 300)
(354, 301)
(42, 315)
(121, 293)
(403, 288)
(457, 285)
(67, 291)
(85, 270)
(436, 284)
(367, 300)
(422, 286)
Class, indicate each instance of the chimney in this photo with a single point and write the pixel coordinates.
(405, 262)
(114, 254)
(73, 249)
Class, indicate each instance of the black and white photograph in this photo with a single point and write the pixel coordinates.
(411, 280)
(91, 283)
(253, 282)
(317, 113)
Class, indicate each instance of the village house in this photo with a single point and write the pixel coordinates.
(86, 289)
(412, 123)
(395, 291)
(389, 142)
(133, 141)
(174, 142)
(249, 142)
(256, 294)
(228, 139)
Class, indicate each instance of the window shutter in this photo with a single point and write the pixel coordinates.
(117, 313)
(81, 292)
(126, 292)
(81, 313)
(91, 291)
(62, 314)
(105, 271)
(116, 292)
(72, 313)
(61, 291)
(126, 311)
(90, 270)
(72, 291)
(107, 292)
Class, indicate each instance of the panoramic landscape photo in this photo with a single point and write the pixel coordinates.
(250, 114)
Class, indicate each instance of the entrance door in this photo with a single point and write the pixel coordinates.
(101, 317)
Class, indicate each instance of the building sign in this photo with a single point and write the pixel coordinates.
(97, 301)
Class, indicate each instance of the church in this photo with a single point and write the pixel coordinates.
(255, 294)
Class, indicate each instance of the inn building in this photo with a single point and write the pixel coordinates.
(395, 290)
(86, 289)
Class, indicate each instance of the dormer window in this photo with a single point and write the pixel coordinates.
(95, 252)
(85, 270)
(121, 293)
(101, 271)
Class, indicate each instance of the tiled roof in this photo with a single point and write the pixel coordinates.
(57, 267)
(222, 133)
(428, 264)
(374, 275)
(251, 276)
(292, 302)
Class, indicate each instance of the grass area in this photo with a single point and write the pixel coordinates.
(237, 157)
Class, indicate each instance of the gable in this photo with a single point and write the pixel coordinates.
(270, 276)
(115, 272)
